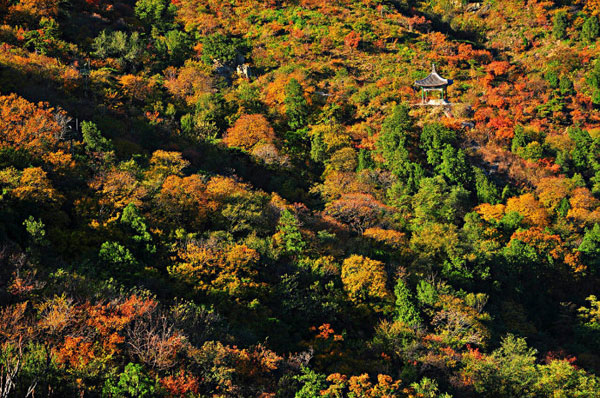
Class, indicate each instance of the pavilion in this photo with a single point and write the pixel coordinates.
(433, 82)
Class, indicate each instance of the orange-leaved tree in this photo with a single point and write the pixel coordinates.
(248, 131)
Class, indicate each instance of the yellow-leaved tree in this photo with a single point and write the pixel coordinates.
(365, 280)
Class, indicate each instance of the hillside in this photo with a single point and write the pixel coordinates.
(240, 198)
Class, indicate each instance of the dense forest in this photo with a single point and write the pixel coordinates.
(243, 198)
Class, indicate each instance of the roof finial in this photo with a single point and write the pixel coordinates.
(433, 68)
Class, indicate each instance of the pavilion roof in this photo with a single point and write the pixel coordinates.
(433, 80)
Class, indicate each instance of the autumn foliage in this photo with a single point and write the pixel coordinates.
(249, 131)
(232, 199)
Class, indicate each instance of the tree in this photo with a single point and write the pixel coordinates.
(232, 271)
(137, 224)
(560, 23)
(118, 258)
(365, 160)
(364, 279)
(590, 247)
(342, 160)
(552, 191)
(437, 247)
(562, 378)
(528, 206)
(157, 14)
(361, 386)
(36, 231)
(352, 40)
(224, 49)
(188, 83)
(249, 131)
(394, 141)
(437, 201)
(405, 310)
(93, 139)
(593, 80)
(126, 49)
(454, 166)
(36, 187)
(312, 383)
(509, 372)
(487, 191)
(289, 233)
(551, 77)
(434, 138)
(136, 87)
(565, 86)
(325, 139)
(173, 47)
(116, 189)
(29, 126)
(583, 142)
(520, 139)
(589, 319)
(43, 39)
(164, 164)
(296, 106)
(590, 29)
(132, 383)
(184, 201)
(359, 211)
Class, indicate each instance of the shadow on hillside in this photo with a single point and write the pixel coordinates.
(293, 185)
(475, 38)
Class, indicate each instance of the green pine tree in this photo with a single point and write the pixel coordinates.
(290, 233)
(405, 310)
(560, 23)
(393, 141)
(590, 29)
(296, 106)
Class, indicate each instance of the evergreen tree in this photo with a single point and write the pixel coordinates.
(173, 47)
(394, 139)
(580, 153)
(93, 139)
(560, 23)
(226, 50)
(455, 166)
(519, 140)
(118, 258)
(566, 86)
(590, 247)
(551, 77)
(405, 310)
(590, 29)
(296, 106)
(563, 207)
(133, 382)
(126, 49)
(487, 192)
(434, 137)
(365, 161)
(156, 14)
(290, 233)
(312, 383)
(140, 235)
